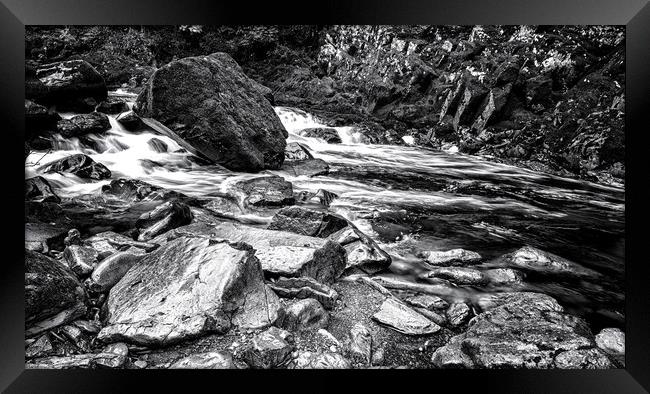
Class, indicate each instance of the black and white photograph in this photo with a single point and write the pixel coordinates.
(325, 197)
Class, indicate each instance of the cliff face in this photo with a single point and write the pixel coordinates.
(549, 98)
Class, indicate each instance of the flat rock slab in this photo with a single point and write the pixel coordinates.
(451, 257)
(281, 253)
(189, 287)
(400, 317)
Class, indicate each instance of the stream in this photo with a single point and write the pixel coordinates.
(408, 199)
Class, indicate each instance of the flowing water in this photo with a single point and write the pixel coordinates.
(409, 199)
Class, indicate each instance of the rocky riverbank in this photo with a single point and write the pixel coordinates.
(549, 98)
(256, 273)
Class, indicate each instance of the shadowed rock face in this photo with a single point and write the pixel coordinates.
(211, 104)
(188, 287)
(53, 295)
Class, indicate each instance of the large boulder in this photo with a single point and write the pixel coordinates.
(518, 330)
(92, 123)
(211, 104)
(53, 295)
(280, 253)
(79, 165)
(189, 287)
(68, 85)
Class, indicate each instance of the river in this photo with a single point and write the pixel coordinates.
(409, 199)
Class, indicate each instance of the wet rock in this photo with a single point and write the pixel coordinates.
(187, 288)
(163, 218)
(130, 121)
(281, 253)
(361, 343)
(157, 145)
(458, 313)
(67, 84)
(207, 360)
(503, 276)
(79, 165)
(42, 347)
(265, 191)
(403, 319)
(296, 151)
(80, 125)
(611, 340)
(362, 252)
(81, 259)
(431, 315)
(211, 104)
(311, 167)
(305, 287)
(75, 335)
(269, 349)
(111, 269)
(451, 257)
(43, 237)
(331, 136)
(583, 359)
(131, 190)
(112, 106)
(538, 260)
(309, 222)
(320, 196)
(457, 275)
(53, 295)
(323, 360)
(39, 189)
(109, 242)
(304, 315)
(519, 330)
(426, 301)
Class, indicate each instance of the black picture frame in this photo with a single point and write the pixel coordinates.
(635, 14)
